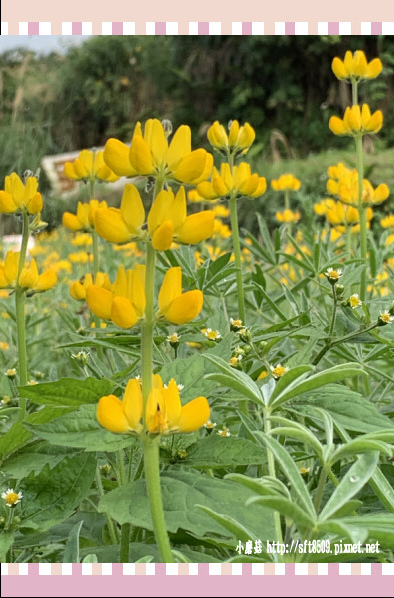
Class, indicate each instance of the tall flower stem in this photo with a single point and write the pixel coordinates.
(362, 216)
(20, 317)
(96, 266)
(237, 255)
(126, 527)
(150, 445)
(272, 473)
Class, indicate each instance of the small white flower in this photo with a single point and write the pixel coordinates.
(355, 301)
(212, 335)
(210, 425)
(385, 317)
(11, 498)
(224, 432)
(278, 370)
(333, 274)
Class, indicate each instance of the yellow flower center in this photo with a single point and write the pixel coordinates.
(173, 338)
(279, 371)
(11, 498)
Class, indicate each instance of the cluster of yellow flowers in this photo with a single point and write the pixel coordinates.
(28, 279)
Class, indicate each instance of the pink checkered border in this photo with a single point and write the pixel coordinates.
(198, 28)
(211, 569)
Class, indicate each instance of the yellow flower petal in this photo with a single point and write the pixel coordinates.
(123, 313)
(196, 228)
(173, 406)
(132, 208)
(71, 222)
(194, 415)
(185, 308)
(111, 416)
(34, 206)
(46, 280)
(110, 225)
(116, 156)
(7, 204)
(99, 301)
(193, 167)
(163, 236)
(171, 288)
(140, 156)
(132, 404)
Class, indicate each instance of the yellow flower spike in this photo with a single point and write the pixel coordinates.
(150, 155)
(355, 67)
(124, 224)
(88, 166)
(238, 182)
(83, 220)
(286, 182)
(176, 307)
(357, 122)
(238, 140)
(99, 301)
(167, 221)
(20, 197)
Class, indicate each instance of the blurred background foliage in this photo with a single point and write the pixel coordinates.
(282, 85)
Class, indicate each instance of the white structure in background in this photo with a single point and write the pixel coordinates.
(63, 186)
(14, 242)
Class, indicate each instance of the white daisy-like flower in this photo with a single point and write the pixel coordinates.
(278, 370)
(224, 432)
(385, 317)
(173, 338)
(333, 275)
(212, 335)
(210, 425)
(11, 498)
(355, 301)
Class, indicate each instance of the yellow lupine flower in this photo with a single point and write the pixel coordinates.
(29, 278)
(124, 224)
(164, 413)
(124, 302)
(338, 213)
(238, 140)
(177, 307)
(83, 220)
(240, 182)
(338, 171)
(20, 197)
(357, 121)
(355, 67)
(388, 221)
(88, 166)
(168, 221)
(288, 216)
(346, 188)
(78, 288)
(286, 182)
(150, 154)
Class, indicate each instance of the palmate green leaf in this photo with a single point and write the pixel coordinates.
(360, 445)
(53, 495)
(33, 458)
(182, 491)
(380, 527)
(69, 392)
(291, 471)
(264, 486)
(347, 408)
(217, 452)
(285, 507)
(303, 436)
(17, 436)
(338, 372)
(286, 381)
(234, 379)
(383, 489)
(71, 550)
(355, 478)
(80, 429)
(339, 528)
(235, 528)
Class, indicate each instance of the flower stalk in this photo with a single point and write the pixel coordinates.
(20, 317)
(237, 255)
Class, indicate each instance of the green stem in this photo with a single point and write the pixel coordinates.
(126, 527)
(95, 253)
(334, 314)
(147, 327)
(20, 317)
(237, 255)
(287, 199)
(320, 488)
(110, 523)
(272, 473)
(354, 93)
(348, 242)
(152, 477)
(362, 216)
